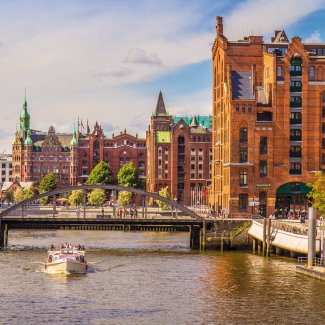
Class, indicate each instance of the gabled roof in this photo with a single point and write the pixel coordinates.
(202, 120)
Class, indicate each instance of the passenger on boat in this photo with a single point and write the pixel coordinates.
(52, 247)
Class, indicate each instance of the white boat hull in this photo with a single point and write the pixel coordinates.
(68, 266)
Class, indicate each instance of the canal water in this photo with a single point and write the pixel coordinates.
(152, 278)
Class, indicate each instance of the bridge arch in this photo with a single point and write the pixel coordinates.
(104, 187)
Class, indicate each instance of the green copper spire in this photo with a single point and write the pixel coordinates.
(24, 117)
(74, 141)
(28, 140)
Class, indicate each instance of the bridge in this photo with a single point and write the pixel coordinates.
(180, 218)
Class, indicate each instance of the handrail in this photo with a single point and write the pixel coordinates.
(316, 261)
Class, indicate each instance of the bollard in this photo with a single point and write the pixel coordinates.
(311, 236)
(264, 237)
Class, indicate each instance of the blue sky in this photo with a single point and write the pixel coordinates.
(108, 60)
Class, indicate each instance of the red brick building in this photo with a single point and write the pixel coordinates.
(71, 157)
(178, 153)
(268, 122)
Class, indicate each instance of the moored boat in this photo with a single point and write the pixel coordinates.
(66, 261)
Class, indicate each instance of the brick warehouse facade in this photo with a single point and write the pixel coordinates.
(268, 122)
(71, 157)
(178, 153)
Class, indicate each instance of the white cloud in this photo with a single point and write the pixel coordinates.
(142, 57)
(314, 37)
(260, 17)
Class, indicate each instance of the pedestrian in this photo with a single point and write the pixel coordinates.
(78, 212)
(103, 211)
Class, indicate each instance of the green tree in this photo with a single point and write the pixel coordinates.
(164, 193)
(124, 198)
(18, 195)
(48, 183)
(101, 174)
(9, 197)
(29, 192)
(97, 197)
(76, 197)
(317, 193)
(128, 175)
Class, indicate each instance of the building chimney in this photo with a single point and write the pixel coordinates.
(219, 26)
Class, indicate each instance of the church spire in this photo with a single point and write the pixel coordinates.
(160, 108)
(24, 117)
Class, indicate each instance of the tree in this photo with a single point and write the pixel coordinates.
(97, 197)
(9, 197)
(19, 195)
(48, 183)
(101, 174)
(164, 193)
(124, 198)
(29, 192)
(317, 193)
(128, 175)
(76, 197)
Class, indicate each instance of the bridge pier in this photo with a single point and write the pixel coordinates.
(195, 237)
(2, 234)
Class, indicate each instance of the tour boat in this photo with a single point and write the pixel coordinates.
(66, 261)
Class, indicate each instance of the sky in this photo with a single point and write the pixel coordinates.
(107, 60)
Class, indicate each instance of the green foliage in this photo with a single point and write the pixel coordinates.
(76, 197)
(29, 192)
(128, 175)
(124, 198)
(164, 193)
(97, 197)
(101, 174)
(18, 195)
(317, 193)
(48, 183)
(9, 197)
(44, 200)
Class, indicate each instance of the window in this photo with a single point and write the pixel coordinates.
(243, 200)
(262, 197)
(263, 145)
(3, 172)
(243, 135)
(323, 158)
(263, 168)
(279, 71)
(323, 111)
(323, 128)
(249, 108)
(243, 179)
(319, 51)
(200, 166)
(243, 108)
(323, 143)
(192, 175)
(192, 166)
(312, 73)
(237, 107)
(243, 155)
(3, 165)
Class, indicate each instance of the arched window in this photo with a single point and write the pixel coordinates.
(262, 197)
(243, 135)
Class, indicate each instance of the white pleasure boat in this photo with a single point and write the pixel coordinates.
(66, 261)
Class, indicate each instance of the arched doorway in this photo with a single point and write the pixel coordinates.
(292, 197)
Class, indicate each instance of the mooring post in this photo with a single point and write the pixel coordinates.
(54, 205)
(195, 237)
(311, 236)
(6, 235)
(264, 237)
(254, 245)
(114, 202)
(221, 242)
(268, 237)
(258, 247)
(85, 201)
(203, 236)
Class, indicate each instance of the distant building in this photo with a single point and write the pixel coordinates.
(71, 157)
(5, 169)
(268, 123)
(179, 154)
